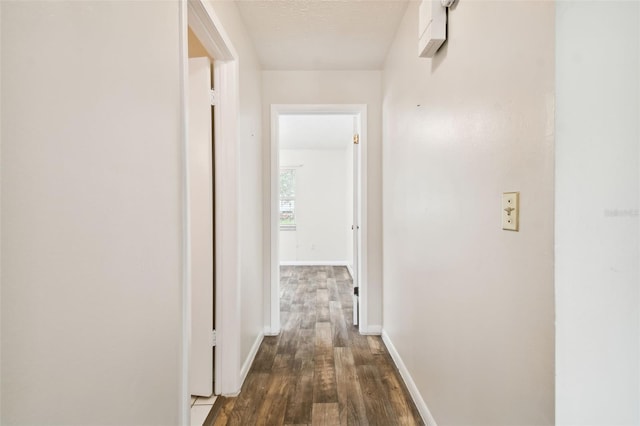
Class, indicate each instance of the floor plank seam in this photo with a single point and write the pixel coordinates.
(319, 370)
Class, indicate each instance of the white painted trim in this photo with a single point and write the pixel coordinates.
(408, 380)
(269, 332)
(246, 366)
(274, 226)
(272, 199)
(350, 269)
(363, 295)
(208, 28)
(315, 263)
(227, 230)
(371, 330)
(184, 391)
(182, 364)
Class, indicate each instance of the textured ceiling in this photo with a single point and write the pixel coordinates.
(322, 34)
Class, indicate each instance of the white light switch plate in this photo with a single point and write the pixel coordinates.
(510, 211)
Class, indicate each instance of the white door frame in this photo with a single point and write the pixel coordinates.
(200, 17)
(274, 208)
(201, 226)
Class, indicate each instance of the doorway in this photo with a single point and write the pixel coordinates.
(201, 225)
(198, 16)
(332, 134)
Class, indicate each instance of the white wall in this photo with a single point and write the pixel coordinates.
(288, 246)
(597, 297)
(250, 197)
(321, 206)
(469, 307)
(337, 87)
(91, 225)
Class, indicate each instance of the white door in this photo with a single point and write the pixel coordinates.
(356, 219)
(200, 169)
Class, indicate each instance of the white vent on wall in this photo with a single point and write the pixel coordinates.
(432, 27)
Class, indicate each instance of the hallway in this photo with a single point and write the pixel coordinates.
(320, 370)
(485, 325)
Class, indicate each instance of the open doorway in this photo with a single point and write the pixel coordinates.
(318, 189)
(218, 189)
(201, 183)
(201, 190)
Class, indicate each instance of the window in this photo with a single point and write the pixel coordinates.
(288, 199)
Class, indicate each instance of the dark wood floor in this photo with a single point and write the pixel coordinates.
(319, 370)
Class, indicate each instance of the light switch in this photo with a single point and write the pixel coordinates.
(510, 210)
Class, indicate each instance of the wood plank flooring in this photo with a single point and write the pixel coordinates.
(319, 370)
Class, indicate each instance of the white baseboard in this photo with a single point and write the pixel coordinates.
(252, 355)
(350, 269)
(372, 330)
(269, 332)
(408, 380)
(314, 263)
